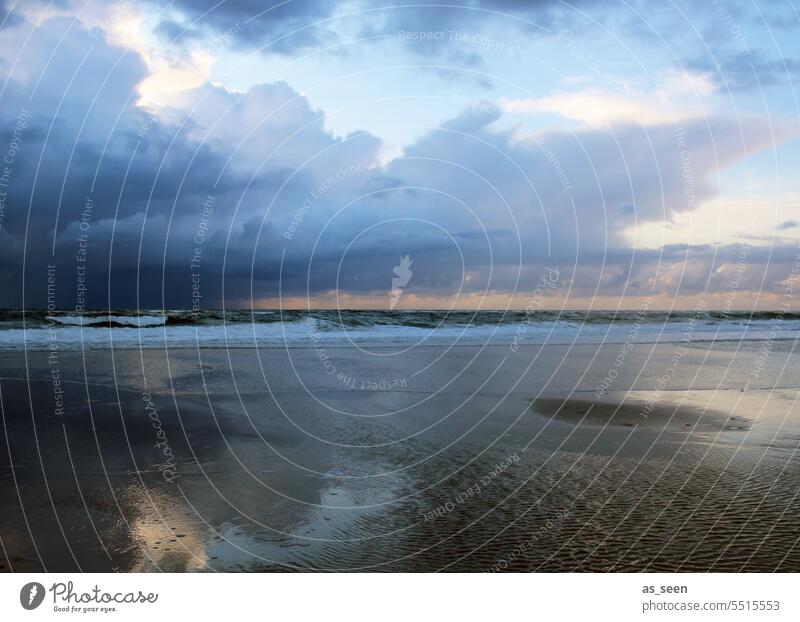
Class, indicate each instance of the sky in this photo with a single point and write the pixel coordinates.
(236, 154)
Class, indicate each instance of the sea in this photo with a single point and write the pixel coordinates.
(262, 328)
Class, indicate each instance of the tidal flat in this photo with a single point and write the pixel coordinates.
(430, 458)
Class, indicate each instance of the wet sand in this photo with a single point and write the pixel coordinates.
(645, 412)
(429, 459)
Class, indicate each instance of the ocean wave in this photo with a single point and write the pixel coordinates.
(107, 321)
(338, 320)
(241, 329)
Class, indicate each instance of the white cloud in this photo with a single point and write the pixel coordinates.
(678, 95)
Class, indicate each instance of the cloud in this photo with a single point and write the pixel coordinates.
(276, 26)
(7, 17)
(747, 71)
(677, 95)
(282, 206)
(145, 174)
(281, 27)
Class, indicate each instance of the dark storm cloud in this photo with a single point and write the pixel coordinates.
(505, 190)
(84, 148)
(278, 26)
(280, 205)
(284, 26)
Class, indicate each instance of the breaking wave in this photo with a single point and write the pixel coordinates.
(123, 328)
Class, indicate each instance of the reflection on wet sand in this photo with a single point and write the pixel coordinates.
(645, 413)
(525, 476)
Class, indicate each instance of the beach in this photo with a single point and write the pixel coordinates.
(481, 288)
(402, 457)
